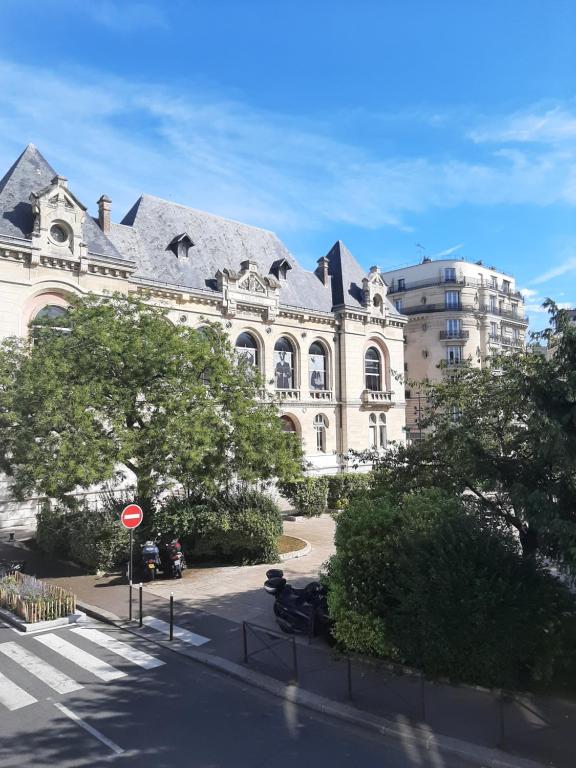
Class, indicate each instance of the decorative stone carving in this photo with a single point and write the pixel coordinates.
(374, 290)
(248, 287)
(58, 223)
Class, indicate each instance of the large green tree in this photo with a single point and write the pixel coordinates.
(505, 438)
(122, 385)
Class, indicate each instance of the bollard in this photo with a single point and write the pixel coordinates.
(349, 671)
(502, 729)
(140, 605)
(171, 615)
(245, 642)
(11, 537)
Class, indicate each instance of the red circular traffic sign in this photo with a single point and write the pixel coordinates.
(131, 516)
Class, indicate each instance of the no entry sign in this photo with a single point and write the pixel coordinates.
(131, 516)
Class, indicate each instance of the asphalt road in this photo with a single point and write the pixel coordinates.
(159, 709)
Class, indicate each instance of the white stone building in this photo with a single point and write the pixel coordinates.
(328, 342)
(457, 311)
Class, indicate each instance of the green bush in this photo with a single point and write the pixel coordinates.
(52, 531)
(428, 584)
(308, 495)
(242, 527)
(92, 538)
(342, 487)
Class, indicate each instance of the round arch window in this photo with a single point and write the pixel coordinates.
(373, 370)
(320, 424)
(59, 233)
(247, 348)
(50, 313)
(288, 424)
(317, 367)
(284, 364)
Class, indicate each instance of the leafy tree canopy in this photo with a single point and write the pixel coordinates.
(505, 437)
(122, 385)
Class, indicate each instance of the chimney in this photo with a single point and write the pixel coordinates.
(322, 269)
(104, 213)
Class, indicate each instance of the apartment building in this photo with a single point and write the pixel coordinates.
(457, 311)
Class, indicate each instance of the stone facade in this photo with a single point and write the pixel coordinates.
(329, 343)
(456, 311)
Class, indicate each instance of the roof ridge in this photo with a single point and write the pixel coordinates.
(30, 150)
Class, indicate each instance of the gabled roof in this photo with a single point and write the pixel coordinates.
(31, 173)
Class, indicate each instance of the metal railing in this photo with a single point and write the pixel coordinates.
(449, 335)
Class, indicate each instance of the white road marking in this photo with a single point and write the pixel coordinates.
(57, 680)
(92, 731)
(179, 633)
(140, 658)
(79, 657)
(12, 696)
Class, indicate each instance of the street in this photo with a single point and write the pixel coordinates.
(93, 695)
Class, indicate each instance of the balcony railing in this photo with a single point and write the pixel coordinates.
(371, 397)
(287, 394)
(503, 313)
(426, 308)
(454, 335)
(320, 394)
(459, 280)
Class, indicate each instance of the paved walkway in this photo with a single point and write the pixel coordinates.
(213, 603)
(236, 593)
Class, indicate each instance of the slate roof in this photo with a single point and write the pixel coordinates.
(151, 225)
(32, 173)
(218, 243)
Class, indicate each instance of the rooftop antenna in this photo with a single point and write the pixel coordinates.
(422, 251)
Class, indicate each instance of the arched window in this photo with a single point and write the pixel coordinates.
(317, 366)
(51, 316)
(320, 429)
(287, 424)
(50, 313)
(372, 432)
(284, 364)
(382, 437)
(247, 348)
(373, 370)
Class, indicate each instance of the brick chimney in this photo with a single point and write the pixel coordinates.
(322, 269)
(104, 213)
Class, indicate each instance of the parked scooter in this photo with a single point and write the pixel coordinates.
(173, 561)
(300, 611)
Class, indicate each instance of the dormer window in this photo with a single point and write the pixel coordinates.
(180, 245)
(280, 268)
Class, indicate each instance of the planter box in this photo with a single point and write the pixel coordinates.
(24, 626)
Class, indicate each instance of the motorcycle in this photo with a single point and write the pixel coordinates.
(176, 565)
(150, 569)
(299, 610)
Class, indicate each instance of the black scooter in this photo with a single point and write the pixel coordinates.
(299, 611)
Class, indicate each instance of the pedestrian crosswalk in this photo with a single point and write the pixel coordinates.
(18, 657)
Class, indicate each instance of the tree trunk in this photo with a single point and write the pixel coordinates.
(529, 541)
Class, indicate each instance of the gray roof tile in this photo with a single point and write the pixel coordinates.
(32, 173)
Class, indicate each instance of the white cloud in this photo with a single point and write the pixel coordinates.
(546, 126)
(528, 293)
(124, 137)
(568, 265)
(448, 251)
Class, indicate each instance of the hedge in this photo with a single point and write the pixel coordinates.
(426, 583)
(308, 495)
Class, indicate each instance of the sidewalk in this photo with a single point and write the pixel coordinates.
(538, 728)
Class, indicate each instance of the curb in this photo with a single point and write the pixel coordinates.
(406, 732)
(296, 553)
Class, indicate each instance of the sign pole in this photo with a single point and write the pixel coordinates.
(131, 517)
(130, 572)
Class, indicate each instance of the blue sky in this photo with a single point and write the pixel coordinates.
(384, 124)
